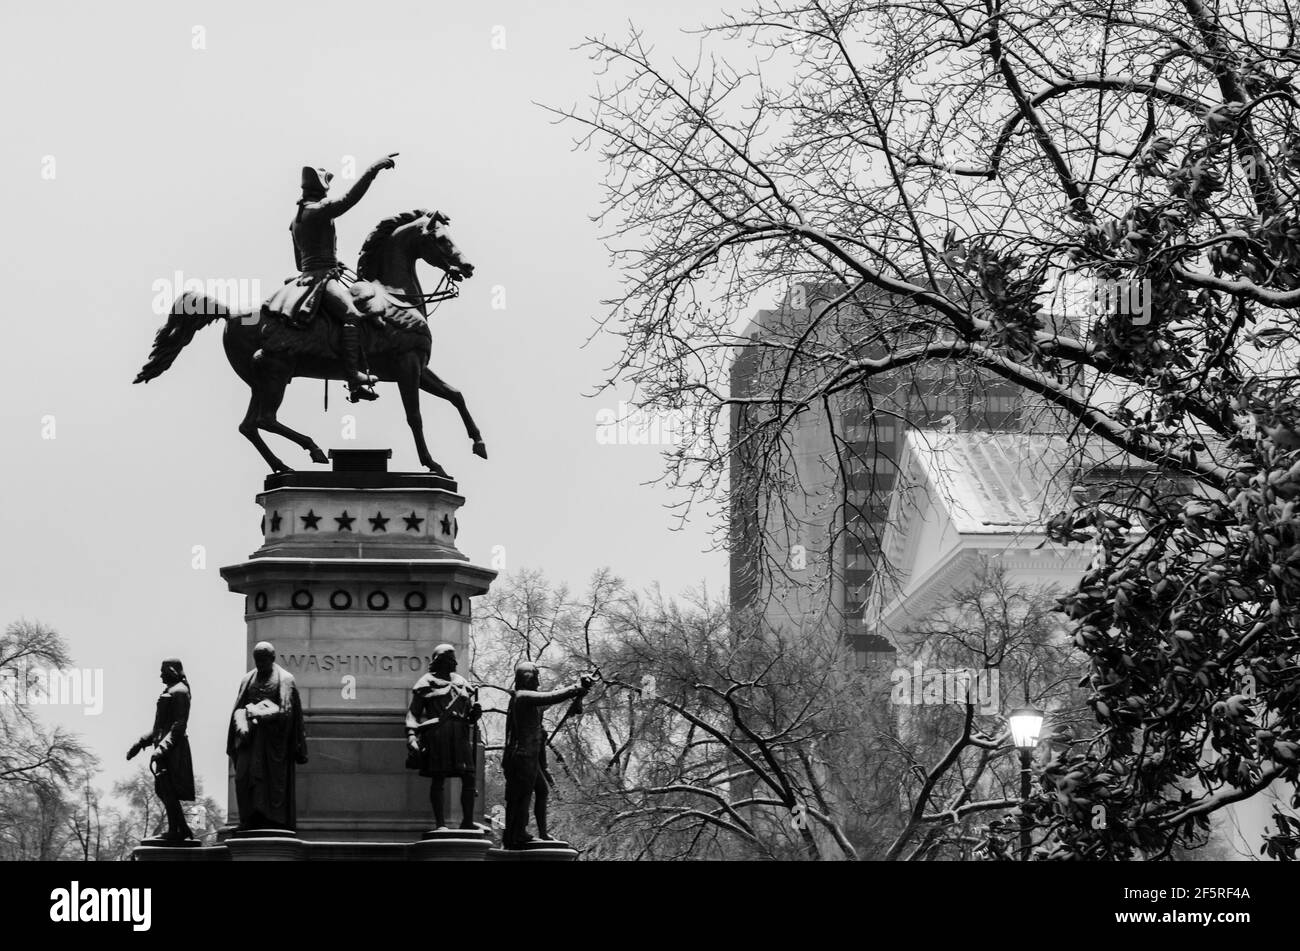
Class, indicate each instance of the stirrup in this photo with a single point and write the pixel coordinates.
(359, 392)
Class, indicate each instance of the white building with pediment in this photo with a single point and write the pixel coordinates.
(966, 498)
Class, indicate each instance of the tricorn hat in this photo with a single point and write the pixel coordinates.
(316, 178)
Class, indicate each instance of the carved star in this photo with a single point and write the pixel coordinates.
(379, 523)
(275, 521)
(412, 522)
(310, 519)
(345, 521)
(446, 524)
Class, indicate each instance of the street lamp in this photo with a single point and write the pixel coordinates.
(1026, 723)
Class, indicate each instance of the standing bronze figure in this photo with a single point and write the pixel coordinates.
(265, 739)
(442, 733)
(383, 316)
(171, 763)
(524, 759)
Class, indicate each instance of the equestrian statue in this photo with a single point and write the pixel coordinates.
(319, 326)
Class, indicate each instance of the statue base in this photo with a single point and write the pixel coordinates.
(186, 850)
(265, 845)
(538, 850)
(355, 852)
(172, 843)
(450, 845)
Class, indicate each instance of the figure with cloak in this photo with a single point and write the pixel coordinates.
(266, 740)
(442, 733)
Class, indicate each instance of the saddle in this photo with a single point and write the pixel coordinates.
(298, 300)
(289, 324)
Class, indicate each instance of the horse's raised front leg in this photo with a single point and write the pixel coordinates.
(408, 384)
(248, 427)
(430, 382)
(274, 377)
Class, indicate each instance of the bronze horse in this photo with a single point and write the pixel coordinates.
(267, 353)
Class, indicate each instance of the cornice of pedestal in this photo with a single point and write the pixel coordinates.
(244, 576)
(378, 492)
(358, 479)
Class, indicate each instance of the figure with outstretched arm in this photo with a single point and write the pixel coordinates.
(171, 762)
(524, 758)
(315, 254)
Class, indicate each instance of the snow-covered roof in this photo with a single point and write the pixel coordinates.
(963, 497)
(995, 482)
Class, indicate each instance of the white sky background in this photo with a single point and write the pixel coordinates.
(169, 158)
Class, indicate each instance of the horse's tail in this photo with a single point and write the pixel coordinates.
(191, 312)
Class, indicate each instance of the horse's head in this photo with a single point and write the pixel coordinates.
(392, 248)
(437, 248)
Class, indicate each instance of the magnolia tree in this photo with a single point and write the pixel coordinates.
(954, 170)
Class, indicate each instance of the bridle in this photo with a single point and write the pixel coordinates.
(447, 289)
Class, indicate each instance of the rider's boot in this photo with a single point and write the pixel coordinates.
(361, 384)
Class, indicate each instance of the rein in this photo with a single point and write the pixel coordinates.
(447, 289)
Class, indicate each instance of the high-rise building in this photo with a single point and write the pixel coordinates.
(805, 538)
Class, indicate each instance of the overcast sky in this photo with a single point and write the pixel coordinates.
(129, 154)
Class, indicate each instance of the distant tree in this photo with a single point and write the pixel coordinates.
(137, 813)
(733, 740)
(958, 771)
(86, 824)
(38, 764)
(697, 741)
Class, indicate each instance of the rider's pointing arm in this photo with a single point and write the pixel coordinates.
(337, 206)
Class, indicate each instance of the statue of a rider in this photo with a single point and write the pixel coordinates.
(317, 287)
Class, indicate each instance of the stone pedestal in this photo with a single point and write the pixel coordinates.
(171, 843)
(355, 852)
(552, 850)
(358, 578)
(266, 845)
(191, 850)
(450, 845)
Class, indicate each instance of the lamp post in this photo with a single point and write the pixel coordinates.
(1026, 723)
